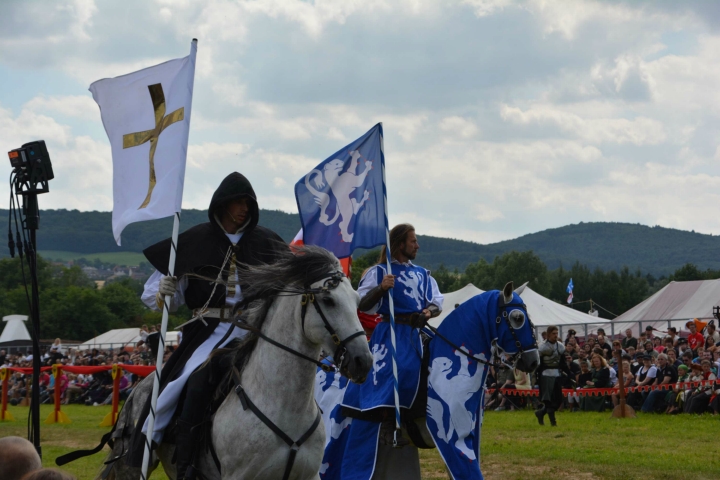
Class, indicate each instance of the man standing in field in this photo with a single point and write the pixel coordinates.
(552, 366)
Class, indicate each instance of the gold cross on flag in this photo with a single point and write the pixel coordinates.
(161, 123)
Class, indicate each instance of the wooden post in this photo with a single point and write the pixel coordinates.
(57, 416)
(5, 416)
(111, 417)
(623, 410)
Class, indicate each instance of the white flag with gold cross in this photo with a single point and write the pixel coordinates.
(147, 119)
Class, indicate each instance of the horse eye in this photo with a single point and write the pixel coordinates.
(328, 301)
(517, 318)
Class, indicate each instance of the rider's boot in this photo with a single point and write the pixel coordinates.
(551, 416)
(185, 447)
(540, 414)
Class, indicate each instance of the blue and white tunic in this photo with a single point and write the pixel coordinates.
(414, 290)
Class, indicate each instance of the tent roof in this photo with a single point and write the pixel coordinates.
(119, 337)
(544, 311)
(455, 298)
(15, 329)
(677, 302)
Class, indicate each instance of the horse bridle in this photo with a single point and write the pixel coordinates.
(308, 296)
(502, 314)
(332, 281)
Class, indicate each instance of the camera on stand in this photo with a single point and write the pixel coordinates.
(31, 172)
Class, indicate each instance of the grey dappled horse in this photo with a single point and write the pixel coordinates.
(304, 303)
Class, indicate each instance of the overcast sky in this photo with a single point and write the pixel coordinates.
(501, 118)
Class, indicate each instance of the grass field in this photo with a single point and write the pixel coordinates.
(115, 258)
(514, 446)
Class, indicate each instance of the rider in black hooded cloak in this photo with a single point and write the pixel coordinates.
(205, 251)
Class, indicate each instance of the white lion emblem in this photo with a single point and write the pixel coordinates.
(342, 185)
(378, 353)
(412, 282)
(454, 392)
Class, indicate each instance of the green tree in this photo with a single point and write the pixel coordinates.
(686, 273)
(75, 313)
(362, 263)
(123, 302)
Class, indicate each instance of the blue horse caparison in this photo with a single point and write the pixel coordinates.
(474, 333)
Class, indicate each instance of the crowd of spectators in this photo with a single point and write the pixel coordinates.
(654, 359)
(89, 389)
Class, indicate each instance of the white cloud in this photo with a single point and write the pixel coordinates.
(500, 117)
(459, 126)
(79, 106)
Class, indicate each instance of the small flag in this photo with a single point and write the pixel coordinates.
(146, 115)
(341, 201)
(570, 291)
(345, 263)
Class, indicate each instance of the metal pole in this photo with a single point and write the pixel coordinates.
(161, 351)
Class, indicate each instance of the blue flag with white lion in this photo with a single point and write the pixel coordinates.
(341, 201)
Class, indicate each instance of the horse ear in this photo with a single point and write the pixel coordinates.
(508, 292)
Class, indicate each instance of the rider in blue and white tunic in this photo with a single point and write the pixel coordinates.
(416, 299)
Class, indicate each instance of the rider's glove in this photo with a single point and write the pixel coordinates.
(168, 286)
(418, 320)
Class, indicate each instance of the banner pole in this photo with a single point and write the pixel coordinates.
(391, 305)
(160, 353)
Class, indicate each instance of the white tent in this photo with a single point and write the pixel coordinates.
(673, 305)
(120, 337)
(544, 312)
(15, 332)
(454, 299)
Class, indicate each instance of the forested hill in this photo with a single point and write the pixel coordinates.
(610, 246)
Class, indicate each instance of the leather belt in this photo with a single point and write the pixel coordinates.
(221, 313)
(400, 319)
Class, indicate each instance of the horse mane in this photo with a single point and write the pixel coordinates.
(292, 271)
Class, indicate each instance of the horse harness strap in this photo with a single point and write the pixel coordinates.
(244, 326)
(309, 297)
(460, 349)
(293, 444)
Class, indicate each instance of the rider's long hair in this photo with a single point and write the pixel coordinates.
(398, 236)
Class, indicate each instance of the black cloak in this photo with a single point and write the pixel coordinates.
(201, 251)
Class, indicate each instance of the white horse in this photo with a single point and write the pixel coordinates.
(304, 303)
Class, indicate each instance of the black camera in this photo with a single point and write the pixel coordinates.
(32, 167)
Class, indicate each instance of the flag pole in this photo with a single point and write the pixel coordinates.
(161, 352)
(391, 305)
(147, 454)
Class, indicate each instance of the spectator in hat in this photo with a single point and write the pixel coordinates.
(17, 458)
(695, 339)
(629, 340)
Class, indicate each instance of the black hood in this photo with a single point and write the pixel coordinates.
(234, 186)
